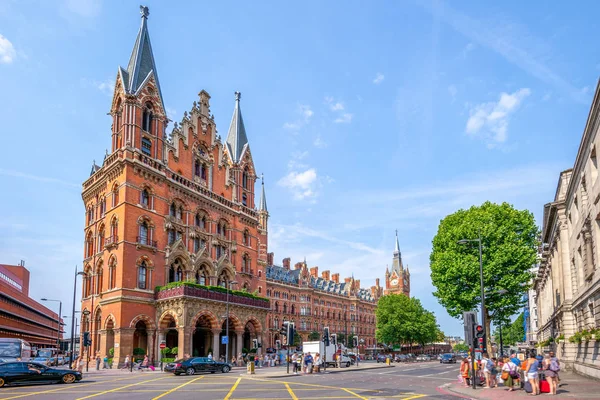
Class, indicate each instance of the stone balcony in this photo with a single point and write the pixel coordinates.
(213, 294)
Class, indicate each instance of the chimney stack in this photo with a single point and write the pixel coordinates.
(286, 263)
(347, 280)
(298, 265)
(314, 272)
(335, 278)
(357, 283)
(325, 275)
(377, 282)
(270, 258)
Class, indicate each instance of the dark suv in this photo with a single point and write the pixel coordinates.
(447, 359)
(382, 358)
(197, 365)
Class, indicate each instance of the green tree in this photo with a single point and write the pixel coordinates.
(513, 333)
(509, 240)
(314, 335)
(460, 347)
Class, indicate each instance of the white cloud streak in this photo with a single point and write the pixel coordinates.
(379, 78)
(7, 51)
(491, 119)
(18, 174)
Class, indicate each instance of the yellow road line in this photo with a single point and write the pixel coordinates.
(313, 385)
(417, 396)
(119, 388)
(235, 385)
(76, 385)
(290, 391)
(352, 393)
(178, 387)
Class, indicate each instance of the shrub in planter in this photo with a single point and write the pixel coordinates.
(138, 351)
(174, 350)
(111, 352)
(167, 359)
(165, 351)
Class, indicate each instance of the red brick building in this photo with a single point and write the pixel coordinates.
(314, 301)
(21, 317)
(398, 280)
(168, 208)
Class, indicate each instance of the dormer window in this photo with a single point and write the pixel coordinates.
(147, 118)
(146, 146)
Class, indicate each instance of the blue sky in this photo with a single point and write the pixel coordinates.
(363, 119)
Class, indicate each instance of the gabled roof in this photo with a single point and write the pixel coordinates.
(141, 63)
(237, 141)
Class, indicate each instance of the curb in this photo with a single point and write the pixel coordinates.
(332, 371)
(445, 389)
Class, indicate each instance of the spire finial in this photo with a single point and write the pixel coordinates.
(145, 11)
(262, 179)
(238, 95)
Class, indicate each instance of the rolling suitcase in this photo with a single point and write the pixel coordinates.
(527, 387)
(544, 387)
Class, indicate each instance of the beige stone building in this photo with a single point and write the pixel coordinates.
(567, 285)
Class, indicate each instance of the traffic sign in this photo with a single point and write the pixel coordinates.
(224, 340)
(163, 345)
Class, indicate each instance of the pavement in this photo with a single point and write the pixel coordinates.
(573, 386)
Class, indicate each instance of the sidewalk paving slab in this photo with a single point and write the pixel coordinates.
(573, 386)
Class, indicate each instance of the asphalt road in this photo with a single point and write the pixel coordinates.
(405, 381)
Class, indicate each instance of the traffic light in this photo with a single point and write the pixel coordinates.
(284, 329)
(255, 343)
(479, 332)
(87, 341)
(326, 336)
(333, 339)
(355, 341)
(290, 333)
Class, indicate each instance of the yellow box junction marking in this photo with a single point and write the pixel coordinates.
(290, 391)
(176, 388)
(235, 385)
(120, 388)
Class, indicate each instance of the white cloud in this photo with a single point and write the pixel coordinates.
(337, 107)
(379, 78)
(452, 91)
(491, 119)
(468, 48)
(107, 87)
(84, 8)
(319, 142)
(345, 118)
(38, 178)
(7, 51)
(171, 113)
(291, 126)
(302, 184)
(305, 113)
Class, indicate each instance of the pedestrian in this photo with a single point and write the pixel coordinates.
(295, 363)
(240, 360)
(105, 362)
(308, 362)
(144, 363)
(318, 362)
(210, 357)
(98, 362)
(486, 367)
(494, 371)
(464, 371)
(510, 373)
(552, 367)
(531, 372)
(126, 363)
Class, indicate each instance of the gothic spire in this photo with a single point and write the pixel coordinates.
(262, 204)
(397, 248)
(237, 141)
(141, 63)
(397, 260)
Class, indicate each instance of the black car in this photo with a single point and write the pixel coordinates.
(447, 359)
(382, 358)
(31, 372)
(197, 365)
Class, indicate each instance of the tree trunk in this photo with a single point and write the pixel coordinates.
(488, 336)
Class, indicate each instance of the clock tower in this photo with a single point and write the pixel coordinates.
(397, 281)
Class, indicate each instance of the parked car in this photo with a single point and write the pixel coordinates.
(423, 357)
(400, 358)
(383, 357)
(196, 365)
(31, 372)
(448, 358)
(42, 360)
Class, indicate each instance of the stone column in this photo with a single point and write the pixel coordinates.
(152, 345)
(239, 342)
(216, 344)
(183, 341)
(566, 261)
(123, 345)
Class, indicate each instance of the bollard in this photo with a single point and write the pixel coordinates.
(250, 368)
(387, 360)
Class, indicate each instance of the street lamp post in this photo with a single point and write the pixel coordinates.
(478, 240)
(74, 324)
(73, 314)
(229, 283)
(59, 327)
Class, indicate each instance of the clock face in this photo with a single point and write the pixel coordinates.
(394, 282)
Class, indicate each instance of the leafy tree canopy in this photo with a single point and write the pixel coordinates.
(460, 347)
(513, 333)
(509, 240)
(401, 319)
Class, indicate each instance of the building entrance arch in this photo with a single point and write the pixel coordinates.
(202, 337)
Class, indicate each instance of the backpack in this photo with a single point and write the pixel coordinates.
(554, 366)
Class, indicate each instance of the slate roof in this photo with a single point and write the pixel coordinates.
(281, 274)
(141, 63)
(237, 141)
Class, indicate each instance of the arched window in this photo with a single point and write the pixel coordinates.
(245, 178)
(101, 239)
(112, 274)
(102, 205)
(244, 199)
(144, 234)
(87, 283)
(197, 168)
(145, 198)
(198, 244)
(203, 173)
(99, 280)
(142, 275)
(179, 212)
(173, 210)
(89, 245)
(147, 118)
(175, 272)
(114, 230)
(246, 238)
(147, 146)
(284, 308)
(115, 194)
(90, 215)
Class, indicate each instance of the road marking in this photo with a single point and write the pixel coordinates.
(78, 385)
(290, 391)
(235, 385)
(120, 388)
(417, 396)
(352, 393)
(176, 388)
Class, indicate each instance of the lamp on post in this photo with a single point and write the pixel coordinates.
(77, 273)
(228, 283)
(58, 326)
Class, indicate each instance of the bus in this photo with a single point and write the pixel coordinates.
(51, 353)
(13, 349)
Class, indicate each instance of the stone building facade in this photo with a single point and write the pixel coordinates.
(312, 301)
(567, 284)
(163, 209)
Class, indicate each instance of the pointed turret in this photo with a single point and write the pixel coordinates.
(262, 204)
(141, 63)
(397, 247)
(397, 260)
(237, 141)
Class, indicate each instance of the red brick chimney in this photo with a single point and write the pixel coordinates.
(357, 283)
(298, 265)
(314, 272)
(286, 263)
(347, 280)
(377, 282)
(335, 278)
(325, 275)
(270, 258)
